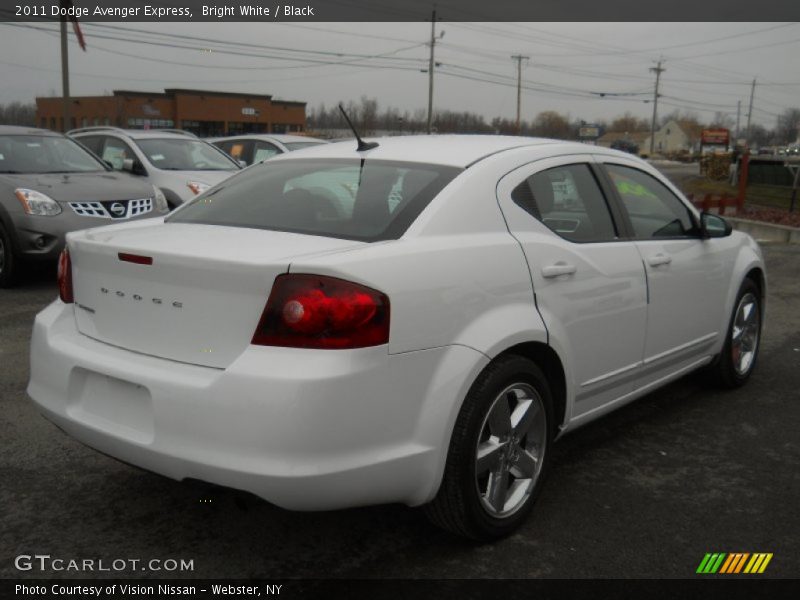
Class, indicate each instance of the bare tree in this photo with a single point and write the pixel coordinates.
(628, 123)
(551, 124)
(18, 113)
(788, 127)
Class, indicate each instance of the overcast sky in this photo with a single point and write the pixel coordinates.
(709, 66)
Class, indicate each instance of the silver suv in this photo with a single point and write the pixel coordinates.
(176, 162)
(50, 185)
(251, 148)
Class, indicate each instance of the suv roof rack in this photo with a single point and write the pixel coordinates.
(179, 131)
(96, 128)
(128, 131)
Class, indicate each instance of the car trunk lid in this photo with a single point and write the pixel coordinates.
(200, 298)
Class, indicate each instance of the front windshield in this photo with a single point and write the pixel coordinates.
(45, 154)
(173, 154)
(297, 145)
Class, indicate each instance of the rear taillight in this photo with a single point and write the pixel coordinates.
(315, 311)
(65, 277)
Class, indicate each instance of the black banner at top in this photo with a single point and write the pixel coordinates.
(401, 10)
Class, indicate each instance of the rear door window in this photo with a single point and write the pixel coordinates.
(363, 200)
(568, 200)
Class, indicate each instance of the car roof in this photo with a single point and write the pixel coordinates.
(17, 130)
(451, 150)
(279, 137)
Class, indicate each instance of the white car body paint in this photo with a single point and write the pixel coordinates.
(181, 391)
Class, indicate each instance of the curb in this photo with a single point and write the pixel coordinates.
(766, 232)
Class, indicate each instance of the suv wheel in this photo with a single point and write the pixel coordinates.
(8, 262)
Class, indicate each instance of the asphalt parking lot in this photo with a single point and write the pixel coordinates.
(644, 492)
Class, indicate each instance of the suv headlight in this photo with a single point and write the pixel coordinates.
(197, 187)
(160, 200)
(36, 203)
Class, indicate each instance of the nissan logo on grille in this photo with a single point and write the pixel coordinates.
(116, 209)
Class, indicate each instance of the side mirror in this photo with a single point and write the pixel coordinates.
(714, 226)
(133, 166)
(242, 163)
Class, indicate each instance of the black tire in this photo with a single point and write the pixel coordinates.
(727, 371)
(459, 506)
(9, 263)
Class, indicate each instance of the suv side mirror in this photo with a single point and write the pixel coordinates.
(714, 226)
(133, 166)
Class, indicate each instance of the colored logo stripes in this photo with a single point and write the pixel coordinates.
(734, 563)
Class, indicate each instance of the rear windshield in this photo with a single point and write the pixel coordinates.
(366, 200)
(173, 154)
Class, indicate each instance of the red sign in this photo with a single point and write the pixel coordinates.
(715, 136)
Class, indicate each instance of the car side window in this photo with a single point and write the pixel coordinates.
(264, 150)
(654, 211)
(93, 143)
(236, 149)
(569, 201)
(116, 151)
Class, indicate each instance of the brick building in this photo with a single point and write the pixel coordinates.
(202, 112)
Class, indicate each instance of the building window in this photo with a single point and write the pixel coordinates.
(84, 122)
(53, 123)
(43, 122)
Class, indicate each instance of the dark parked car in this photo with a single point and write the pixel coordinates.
(50, 185)
(626, 146)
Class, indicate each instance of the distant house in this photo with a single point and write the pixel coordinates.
(674, 136)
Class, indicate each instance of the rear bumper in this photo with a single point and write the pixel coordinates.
(304, 429)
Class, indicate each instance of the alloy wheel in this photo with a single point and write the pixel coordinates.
(511, 446)
(745, 334)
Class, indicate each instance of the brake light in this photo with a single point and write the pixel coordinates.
(315, 311)
(137, 259)
(65, 277)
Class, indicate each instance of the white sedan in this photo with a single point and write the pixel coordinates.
(415, 322)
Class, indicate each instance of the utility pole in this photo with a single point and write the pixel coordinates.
(65, 73)
(657, 70)
(430, 72)
(519, 58)
(750, 110)
(738, 112)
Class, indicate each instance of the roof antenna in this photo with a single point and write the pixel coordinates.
(362, 145)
